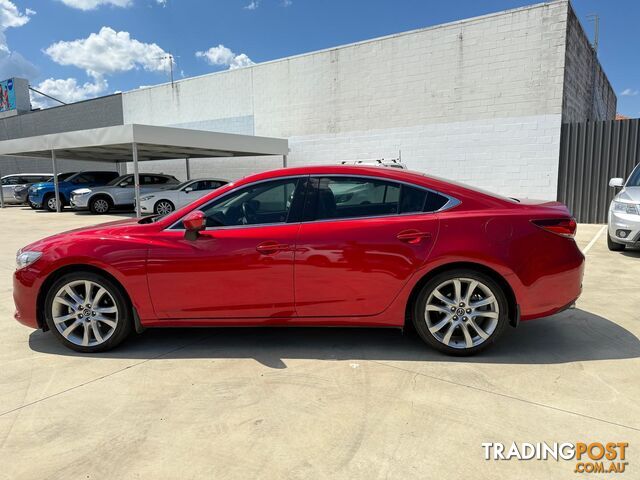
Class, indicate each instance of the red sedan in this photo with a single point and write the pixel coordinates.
(331, 245)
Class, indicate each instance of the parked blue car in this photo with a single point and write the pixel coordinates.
(42, 195)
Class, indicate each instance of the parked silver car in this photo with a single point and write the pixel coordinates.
(119, 193)
(624, 213)
(13, 181)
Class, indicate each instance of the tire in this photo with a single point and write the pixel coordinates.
(92, 328)
(163, 207)
(614, 246)
(444, 328)
(49, 203)
(100, 205)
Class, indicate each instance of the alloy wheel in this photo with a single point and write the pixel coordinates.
(101, 205)
(462, 313)
(85, 313)
(51, 203)
(164, 208)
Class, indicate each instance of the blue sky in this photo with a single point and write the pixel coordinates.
(46, 40)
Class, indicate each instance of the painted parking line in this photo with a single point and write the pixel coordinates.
(594, 240)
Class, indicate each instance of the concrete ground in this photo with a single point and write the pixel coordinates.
(318, 403)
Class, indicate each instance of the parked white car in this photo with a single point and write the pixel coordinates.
(624, 213)
(119, 193)
(162, 203)
(10, 182)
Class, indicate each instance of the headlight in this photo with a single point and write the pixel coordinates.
(148, 197)
(630, 208)
(81, 191)
(24, 259)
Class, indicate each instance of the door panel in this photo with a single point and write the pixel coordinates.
(357, 267)
(223, 274)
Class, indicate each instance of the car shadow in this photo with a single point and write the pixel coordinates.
(572, 336)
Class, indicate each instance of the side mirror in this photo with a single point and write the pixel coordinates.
(616, 182)
(193, 223)
(188, 189)
(124, 184)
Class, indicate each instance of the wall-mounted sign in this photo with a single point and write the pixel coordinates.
(7, 95)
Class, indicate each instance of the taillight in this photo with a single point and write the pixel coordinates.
(565, 227)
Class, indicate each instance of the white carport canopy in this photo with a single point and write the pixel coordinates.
(136, 143)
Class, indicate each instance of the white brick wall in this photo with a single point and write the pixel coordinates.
(477, 100)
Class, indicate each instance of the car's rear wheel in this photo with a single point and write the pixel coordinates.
(50, 203)
(87, 312)
(100, 205)
(614, 246)
(460, 312)
(163, 207)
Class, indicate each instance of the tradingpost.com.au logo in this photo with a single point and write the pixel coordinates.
(594, 457)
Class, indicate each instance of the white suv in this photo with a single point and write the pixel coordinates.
(624, 213)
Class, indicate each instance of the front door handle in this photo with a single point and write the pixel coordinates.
(413, 236)
(270, 247)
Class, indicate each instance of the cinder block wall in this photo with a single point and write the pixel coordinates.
(588, 95)
(478, 101)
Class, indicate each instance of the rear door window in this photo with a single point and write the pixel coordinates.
(352, 197)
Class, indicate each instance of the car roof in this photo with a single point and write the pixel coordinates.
(27, 175)
(448, 187)
(212, 179)
(396, 174)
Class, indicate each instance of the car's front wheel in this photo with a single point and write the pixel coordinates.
(100, 205)
(163, 207)
(50, 203)
(460, 312)
(87, 312)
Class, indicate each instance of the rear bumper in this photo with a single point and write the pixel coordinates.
(556, 290)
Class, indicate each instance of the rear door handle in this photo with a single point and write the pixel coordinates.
(413, 236)
(270, 247)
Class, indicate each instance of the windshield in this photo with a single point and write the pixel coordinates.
(117, 180)
(180, 185)
(61, 176)
(634, 179)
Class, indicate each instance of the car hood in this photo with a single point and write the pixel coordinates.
(104, 188)
(629, 194)
(110, 229)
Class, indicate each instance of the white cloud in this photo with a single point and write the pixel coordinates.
(68, 90)
(253, 5)
(108, 52)
(628, 92)
(223, 56)
(10, 16)
(93, 4)
(12, 64)
(162, 3)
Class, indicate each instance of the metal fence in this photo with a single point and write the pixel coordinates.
(591, 153)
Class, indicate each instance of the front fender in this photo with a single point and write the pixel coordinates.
(125, 259)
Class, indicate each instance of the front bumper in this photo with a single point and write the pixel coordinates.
(35, 198)
(623, 222)
(79, 201)
(26, 284)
